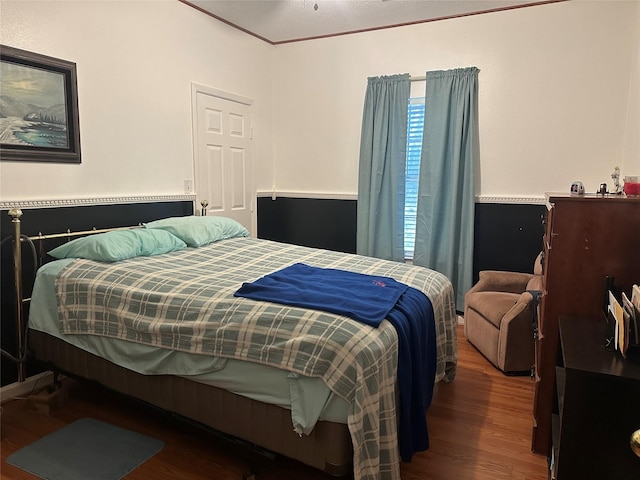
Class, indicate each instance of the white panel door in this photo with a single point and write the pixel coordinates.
(222, 150)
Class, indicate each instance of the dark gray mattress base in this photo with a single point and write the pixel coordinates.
(328, 448)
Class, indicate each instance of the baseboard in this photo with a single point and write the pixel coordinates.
(460, 320)
(23, 389)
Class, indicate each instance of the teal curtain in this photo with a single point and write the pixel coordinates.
(380, 221)
(446, 194)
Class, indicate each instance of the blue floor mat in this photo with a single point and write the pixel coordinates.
(86, 449)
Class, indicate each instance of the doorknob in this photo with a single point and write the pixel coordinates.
(635, 442)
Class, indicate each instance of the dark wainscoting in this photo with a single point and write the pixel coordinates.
(319, 223)
(57, 220)
(507, 236)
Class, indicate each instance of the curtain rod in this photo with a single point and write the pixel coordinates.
(418, 78)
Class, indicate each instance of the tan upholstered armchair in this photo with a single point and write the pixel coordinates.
(498, 317)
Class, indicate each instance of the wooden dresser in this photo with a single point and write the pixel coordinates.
(587, 239)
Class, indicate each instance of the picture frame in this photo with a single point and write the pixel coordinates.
(39, 108)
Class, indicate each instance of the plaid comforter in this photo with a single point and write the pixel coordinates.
(184, 301)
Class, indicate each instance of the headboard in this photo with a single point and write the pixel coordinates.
(57, 220)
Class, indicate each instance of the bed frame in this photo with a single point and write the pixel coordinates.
(269, 427)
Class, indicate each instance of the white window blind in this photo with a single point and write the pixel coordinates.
(414, 149)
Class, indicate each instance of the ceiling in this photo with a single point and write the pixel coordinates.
(282, 21)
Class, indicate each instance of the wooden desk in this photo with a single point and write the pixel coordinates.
(598, 406)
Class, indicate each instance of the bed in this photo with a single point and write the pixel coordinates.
(242, 376)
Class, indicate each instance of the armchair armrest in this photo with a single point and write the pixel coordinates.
(498, 281)
(517, 335)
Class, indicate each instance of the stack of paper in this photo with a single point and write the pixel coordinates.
(627, 319)
(633, 308)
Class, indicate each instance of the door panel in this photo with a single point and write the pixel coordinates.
(239, 194)
(212, 177)
(222, 147)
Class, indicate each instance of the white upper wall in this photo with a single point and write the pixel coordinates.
(558, 96)
(631, 153)
(135, 64)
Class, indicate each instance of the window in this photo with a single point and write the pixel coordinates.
(415, 127)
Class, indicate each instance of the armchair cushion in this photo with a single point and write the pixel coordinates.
(496, 281)
(535, 283)
(493, 306)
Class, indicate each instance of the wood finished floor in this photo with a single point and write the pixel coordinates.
(479, 427)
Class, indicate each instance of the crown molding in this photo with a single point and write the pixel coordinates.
(500, 199)
(317, 195)
(354, 196)
(75, 202)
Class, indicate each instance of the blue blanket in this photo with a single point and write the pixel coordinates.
(370, 299)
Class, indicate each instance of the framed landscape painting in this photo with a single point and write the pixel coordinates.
(38, 108)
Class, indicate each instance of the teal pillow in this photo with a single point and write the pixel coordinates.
(119, 245)
(199, 231)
